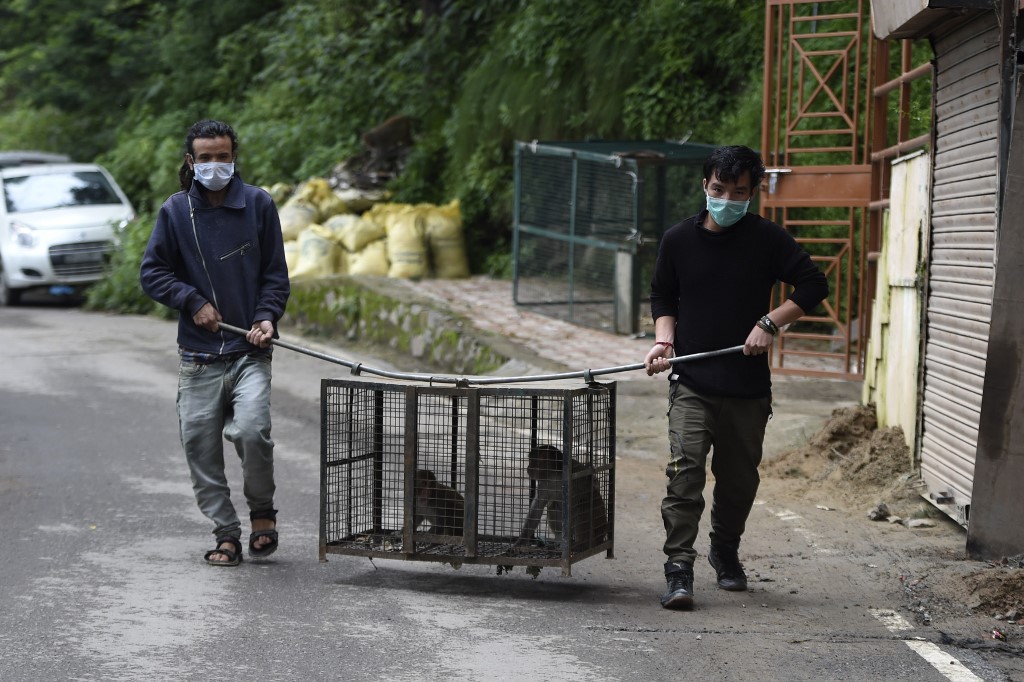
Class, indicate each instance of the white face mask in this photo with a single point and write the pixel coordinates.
(214, 176)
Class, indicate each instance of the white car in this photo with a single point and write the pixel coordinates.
(59, 224)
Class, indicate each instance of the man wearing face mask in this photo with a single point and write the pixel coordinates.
(216, 253)
(711, 289)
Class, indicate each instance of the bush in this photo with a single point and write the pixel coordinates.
(120, 291)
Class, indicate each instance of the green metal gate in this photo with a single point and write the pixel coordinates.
(588, 217)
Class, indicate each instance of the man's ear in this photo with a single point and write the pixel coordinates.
(190, 161)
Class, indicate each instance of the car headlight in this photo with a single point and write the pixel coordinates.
(23, 235)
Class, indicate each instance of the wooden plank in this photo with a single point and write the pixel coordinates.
(810, 186)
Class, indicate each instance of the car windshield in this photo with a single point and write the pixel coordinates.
(57, 190)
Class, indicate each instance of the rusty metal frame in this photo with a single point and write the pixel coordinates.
(884, 150)
(812, 78)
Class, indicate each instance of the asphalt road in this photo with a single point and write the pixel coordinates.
(102, 578)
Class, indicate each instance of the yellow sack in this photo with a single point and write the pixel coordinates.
(296, 216)
(319, 254)
(279, 192)
(331, 205)
(382, 214)
(314, 191)
(353, 231)
(371, 260)
(407, 247)
(291, 254)
(360, 200)
(443, 228)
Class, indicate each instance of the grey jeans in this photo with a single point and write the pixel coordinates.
(227, 400)
(735, 428)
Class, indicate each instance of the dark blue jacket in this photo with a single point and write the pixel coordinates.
(231, 256)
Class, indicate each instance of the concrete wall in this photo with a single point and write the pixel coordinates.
(415, 335)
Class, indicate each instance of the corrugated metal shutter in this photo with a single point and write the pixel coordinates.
(961, 268)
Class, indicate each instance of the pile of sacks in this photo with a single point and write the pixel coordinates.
(357, 232)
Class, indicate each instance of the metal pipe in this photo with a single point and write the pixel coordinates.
(586, 374)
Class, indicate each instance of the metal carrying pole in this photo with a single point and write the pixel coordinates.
(586, 374)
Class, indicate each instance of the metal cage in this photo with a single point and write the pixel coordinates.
(587, 220)
(502, 475)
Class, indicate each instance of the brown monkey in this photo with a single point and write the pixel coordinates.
(386, 140)
(437, 503)
(588, 517)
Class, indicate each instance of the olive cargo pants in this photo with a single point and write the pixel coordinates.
(735, 428)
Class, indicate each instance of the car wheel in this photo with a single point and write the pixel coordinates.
(8, 296)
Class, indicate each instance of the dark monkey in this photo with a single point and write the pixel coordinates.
(437, 503)
(588, 517)
(387, 139)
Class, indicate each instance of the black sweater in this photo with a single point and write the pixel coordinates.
(717, 285)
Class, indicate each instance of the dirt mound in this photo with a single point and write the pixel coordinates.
(850, 457)
(852, 465)
(996, 590)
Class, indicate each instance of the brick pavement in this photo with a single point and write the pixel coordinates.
(488, 303)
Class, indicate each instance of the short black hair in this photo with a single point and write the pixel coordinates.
(207, 128)
(731, 162)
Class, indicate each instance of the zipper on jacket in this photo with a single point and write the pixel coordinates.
(202, 259)
(240, 251)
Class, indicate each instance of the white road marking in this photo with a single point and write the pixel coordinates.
(892, 620)
(947, 664)
(788, 516)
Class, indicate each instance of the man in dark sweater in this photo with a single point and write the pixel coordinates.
(711, 290)
(216, 253)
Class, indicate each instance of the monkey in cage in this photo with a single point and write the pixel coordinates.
(437, 503)
(588, 517)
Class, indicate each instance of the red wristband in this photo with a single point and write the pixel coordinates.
(663, 343)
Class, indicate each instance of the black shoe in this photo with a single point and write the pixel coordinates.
(679, 577)
(730, 572)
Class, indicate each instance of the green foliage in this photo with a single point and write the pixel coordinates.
(121, 291)
(120, 81)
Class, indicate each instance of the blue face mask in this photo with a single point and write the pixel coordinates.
(726, 213)
(214, 176)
